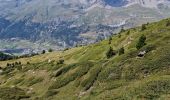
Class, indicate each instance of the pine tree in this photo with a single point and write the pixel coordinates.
(141, 42)
(143, 27)
(110, 53)
(50, 50)
(43, 52)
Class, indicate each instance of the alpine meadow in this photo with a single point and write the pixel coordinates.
(42, 60)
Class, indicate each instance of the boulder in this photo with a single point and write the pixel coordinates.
(141, 53)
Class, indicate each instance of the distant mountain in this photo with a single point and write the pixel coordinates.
(58, 24)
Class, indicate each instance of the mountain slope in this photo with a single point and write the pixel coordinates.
(60, 24)
(87, 73)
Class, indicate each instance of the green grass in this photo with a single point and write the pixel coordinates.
(80, 71)
(15, 93)
(87, 74)
(89, 81)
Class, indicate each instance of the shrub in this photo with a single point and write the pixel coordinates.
(19, 63)
(50, 50)
(121, 51)
(43, 52)
(110, 53)
(8, 64)
(141, 42)
(28, 63)
(16, 63)
(143, 27)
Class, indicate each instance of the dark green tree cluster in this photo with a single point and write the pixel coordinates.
(143, 27)
(43, 52)
(110, 53)
(141, 42)
(121, 51)
(13, 64)
(50, 50)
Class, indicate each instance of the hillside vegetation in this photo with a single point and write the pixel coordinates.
(132, 65)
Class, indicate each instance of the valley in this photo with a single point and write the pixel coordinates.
(35, 25)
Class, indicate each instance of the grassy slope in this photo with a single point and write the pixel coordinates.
(88, 75)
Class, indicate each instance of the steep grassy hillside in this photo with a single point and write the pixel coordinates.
(101, 71)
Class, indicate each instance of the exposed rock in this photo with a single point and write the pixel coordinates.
(141, 53)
